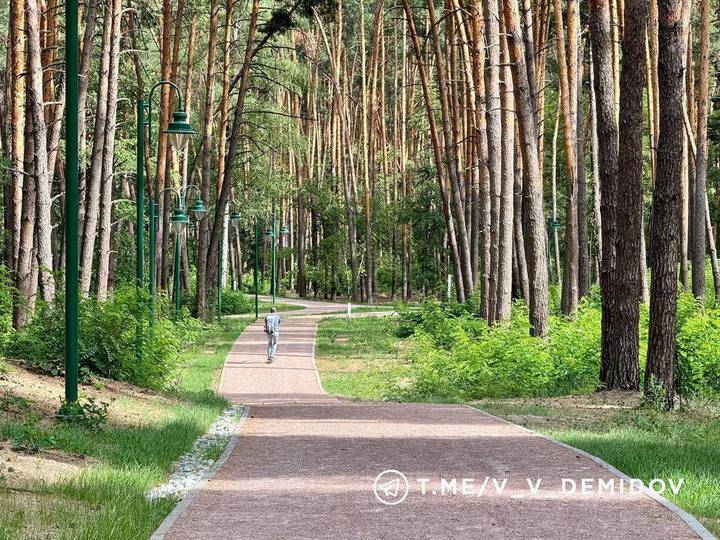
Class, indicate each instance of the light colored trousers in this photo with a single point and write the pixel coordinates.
(272, 344)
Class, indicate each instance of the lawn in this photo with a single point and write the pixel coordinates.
(362, 358)
(70, 482)
(356, 357)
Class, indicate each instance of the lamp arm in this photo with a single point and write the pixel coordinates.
(149, 102)
(187, 190)
(174, 192)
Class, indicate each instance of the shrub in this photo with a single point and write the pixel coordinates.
(107, 338)
(456, 355)
(236, 302)
(698, 355)
(87, 413)
(6, 294)
(574, 350)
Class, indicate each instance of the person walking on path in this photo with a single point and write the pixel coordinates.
(272, 329)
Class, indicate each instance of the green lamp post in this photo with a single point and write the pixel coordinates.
(178, 223)
(257, 268)
(71, 201)
(179, 131)
(274, 238)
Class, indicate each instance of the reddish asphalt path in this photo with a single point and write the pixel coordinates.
(305, 463)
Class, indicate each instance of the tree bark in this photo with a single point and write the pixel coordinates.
(535, 237)
(700, 192)
(39, 139)
(95, 176)
(664, 228)
(621, 359)
(204, 254)
(108, 150)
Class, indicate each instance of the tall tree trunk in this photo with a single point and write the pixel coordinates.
(365, 162)
(251, 49)
(622, 369)
(39, 139)
(567, 69)
(95, 176)
(583, 241)
(463, 243)
(700, 199)
(607, 165)
(664, 228)
(163, 235)
(108, 150)
(505, 241)
(494, 155)
(88, 42)
(16, 81)
(204, 254)
(26, 273)
(535, 237)
(437, 154)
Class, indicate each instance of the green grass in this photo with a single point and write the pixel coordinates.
(356, 357)
(106, 500)
(642, 443)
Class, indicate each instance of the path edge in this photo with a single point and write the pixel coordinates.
(185, 502)
(690, 520)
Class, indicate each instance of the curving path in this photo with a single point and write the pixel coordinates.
(305, 463)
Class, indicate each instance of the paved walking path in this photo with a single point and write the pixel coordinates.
(305, 463)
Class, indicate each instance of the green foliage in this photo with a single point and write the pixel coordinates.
(237, 302)
(698, 354)
(108, 339)
(87, 413)
(457, 356)
(6, 294)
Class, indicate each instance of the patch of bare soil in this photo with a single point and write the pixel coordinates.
(48, 466)
(605, 400)
(44, 394)
(583, 411)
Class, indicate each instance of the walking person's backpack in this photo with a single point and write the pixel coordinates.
(271, 323)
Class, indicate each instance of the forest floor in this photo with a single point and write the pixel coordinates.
(64, 481)
(358, 359)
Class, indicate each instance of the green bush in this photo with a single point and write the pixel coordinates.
(107, 339)
(457, 356)
(698, 355)
(6, 294)
(237, 302)
(574, 350)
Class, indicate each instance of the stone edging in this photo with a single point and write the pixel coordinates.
(185, 502)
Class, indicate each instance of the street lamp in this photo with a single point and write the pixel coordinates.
(178, 222)
(257, 267)
(179, 131)
(273, 237)
(71, 200)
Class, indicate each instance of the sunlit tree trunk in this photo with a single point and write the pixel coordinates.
(106, 193)
(535, 237)
(700, 191)
(43, 227)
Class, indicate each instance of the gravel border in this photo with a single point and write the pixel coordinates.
(194, 466)
(185, 502)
